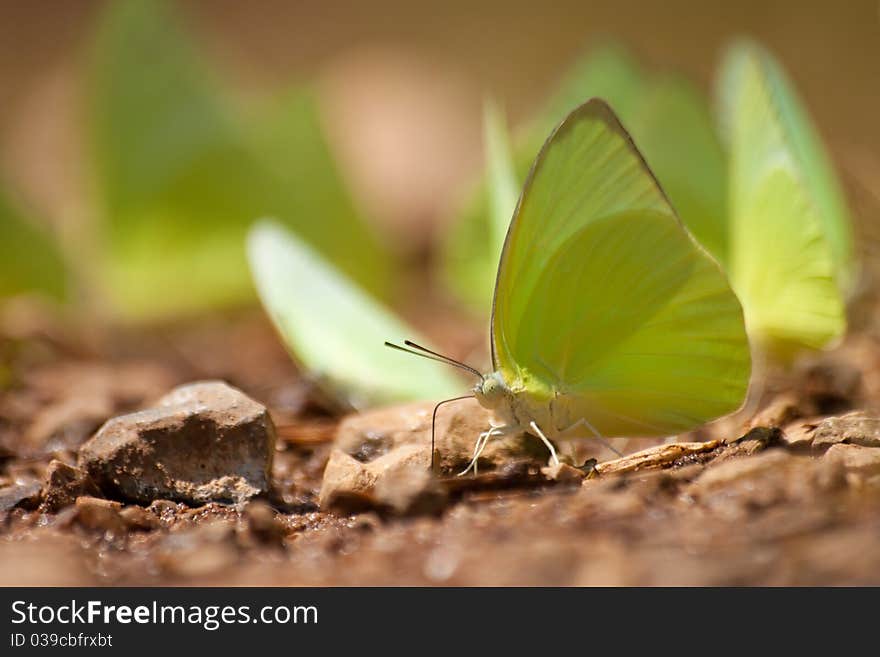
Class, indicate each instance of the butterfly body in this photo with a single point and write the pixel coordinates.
(517, 404)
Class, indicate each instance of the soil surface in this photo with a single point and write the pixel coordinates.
(788, 494)
(783, 495)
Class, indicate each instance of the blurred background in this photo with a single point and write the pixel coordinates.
(400, 85)
(363, 117)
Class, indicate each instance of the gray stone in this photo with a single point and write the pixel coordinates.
(369, 435)
(203, 442)
(382, 457)
(854, 428)
(799, 434)
(864, 461)
(24, 494)
(64, 483)
(398, 481)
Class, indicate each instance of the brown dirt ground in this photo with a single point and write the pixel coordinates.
(780, 515)
(768, 509)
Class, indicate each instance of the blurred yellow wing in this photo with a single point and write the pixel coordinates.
(334, 329)
(783, 261)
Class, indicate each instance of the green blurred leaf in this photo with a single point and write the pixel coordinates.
(475, 242)
(608, 71)
(299, 182)
(154, 111)
(503, 183)
(180, 176)
(29, 259)
(468, 268)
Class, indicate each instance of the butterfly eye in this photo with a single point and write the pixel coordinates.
(490, 387)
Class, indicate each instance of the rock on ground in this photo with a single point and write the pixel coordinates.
(366, 436)
(203, 442)
(137, 518)
(382, 457)
(856, 428)
(64, 483)
(20, 494)
(99, 515)
(864, 461)
(563, 472)
(398, 481)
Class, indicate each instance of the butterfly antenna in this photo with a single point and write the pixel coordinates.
(424, 352)
(418, 350)
(434, 421)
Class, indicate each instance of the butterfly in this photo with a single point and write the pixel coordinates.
(608, 318)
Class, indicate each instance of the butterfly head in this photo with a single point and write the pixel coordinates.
(491, 390)
(493, 394)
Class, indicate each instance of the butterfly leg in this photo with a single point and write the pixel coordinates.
(553, 458)
(482, 441)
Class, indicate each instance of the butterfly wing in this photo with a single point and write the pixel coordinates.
(674, 128)
(803, 143)
(605, 306)
(334, 329)
(474, 243)
(789, 251)
(472, 250)
(30, 261)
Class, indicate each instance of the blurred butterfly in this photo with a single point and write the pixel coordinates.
(332, 328)
(790, 242)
